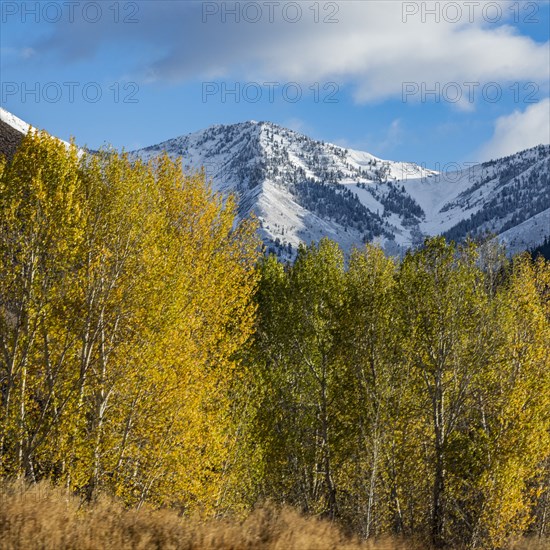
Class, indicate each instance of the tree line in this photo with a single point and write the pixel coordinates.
(149, 350)
(408, 397)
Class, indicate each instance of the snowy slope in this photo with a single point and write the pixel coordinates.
(16, 123)
(12, 130)
(302, 189)
(299, 188)
(527, 234)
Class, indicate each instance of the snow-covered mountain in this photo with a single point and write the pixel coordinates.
(12, 130)
(302, 189)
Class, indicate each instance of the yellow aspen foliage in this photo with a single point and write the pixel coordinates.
(126, 290)
(518, 407)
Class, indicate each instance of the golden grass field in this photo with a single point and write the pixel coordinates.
(47, 518)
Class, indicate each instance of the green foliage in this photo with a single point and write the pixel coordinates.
(406, 398)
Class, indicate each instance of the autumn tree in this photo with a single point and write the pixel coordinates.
(125, 292)
(296, 354)
(368, 355)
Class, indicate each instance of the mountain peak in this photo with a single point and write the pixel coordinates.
(302, 189)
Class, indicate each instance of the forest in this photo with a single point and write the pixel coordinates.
(152, 353)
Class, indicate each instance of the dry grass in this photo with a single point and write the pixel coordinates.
(534, 543)
(47, 518)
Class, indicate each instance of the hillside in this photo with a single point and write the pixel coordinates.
(303, 189)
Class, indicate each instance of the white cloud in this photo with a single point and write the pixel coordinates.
(518, 131)
(375, 45)
(376, 51)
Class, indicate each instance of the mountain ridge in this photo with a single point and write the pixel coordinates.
(306, 189)
(302, 189)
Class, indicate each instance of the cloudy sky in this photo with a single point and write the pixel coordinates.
(430, 82)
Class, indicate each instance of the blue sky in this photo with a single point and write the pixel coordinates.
(356, 73)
